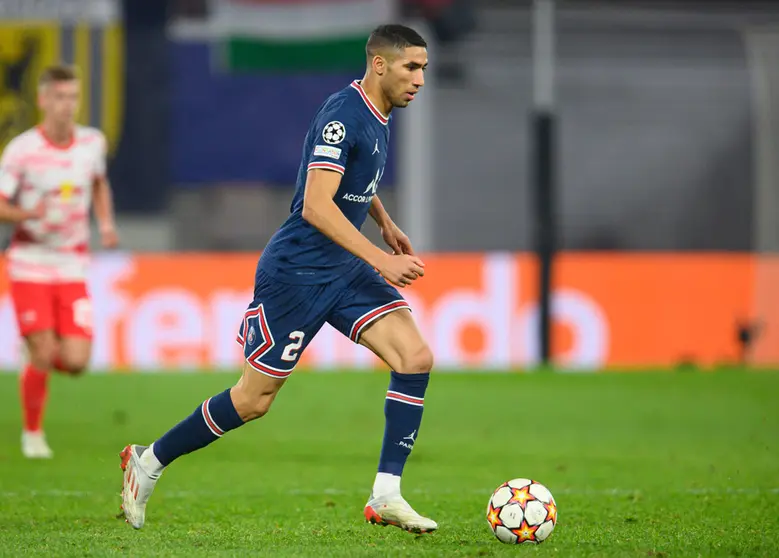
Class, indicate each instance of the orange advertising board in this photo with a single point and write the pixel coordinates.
(478, 311)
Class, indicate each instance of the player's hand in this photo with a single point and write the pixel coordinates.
(396, 239)
(401, 269)
(108, 237)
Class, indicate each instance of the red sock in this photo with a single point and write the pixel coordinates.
(33, 384)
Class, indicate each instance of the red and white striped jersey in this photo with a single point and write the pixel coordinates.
(33, 169)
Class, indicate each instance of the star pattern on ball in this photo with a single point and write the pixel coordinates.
(493, 517)
(526, 506)
(521, 495)
(551, 511)
(526, 532)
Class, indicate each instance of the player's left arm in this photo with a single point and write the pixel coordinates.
(390, 232)
(103, 203)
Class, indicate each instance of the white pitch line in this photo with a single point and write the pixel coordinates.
(363, 492)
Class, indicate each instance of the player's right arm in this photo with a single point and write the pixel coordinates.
(11, 172)
(321, 211)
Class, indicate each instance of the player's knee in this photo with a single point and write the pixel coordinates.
(42, 355)
(417, 361)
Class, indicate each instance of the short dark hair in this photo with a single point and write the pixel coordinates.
(393, 36)
(55, 74)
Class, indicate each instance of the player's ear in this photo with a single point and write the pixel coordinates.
(379, 64)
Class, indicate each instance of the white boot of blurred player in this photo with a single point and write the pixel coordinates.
(34, 446)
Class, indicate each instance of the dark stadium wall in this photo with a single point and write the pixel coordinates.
(242, 126)
(140, 171)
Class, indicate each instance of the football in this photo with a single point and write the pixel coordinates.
(522, 511)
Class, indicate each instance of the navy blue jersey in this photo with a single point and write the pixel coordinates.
(350, 136)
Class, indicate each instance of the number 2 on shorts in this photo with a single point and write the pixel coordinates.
(291, 351)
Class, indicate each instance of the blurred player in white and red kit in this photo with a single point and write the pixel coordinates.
(50, 175)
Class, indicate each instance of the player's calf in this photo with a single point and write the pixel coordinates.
(254, 393)
(209, 422)
(33, 389)
(249, 399)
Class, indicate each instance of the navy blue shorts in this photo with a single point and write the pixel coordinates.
(283, 319)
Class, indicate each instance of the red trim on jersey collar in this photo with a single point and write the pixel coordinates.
(50, 143)
(376, 112)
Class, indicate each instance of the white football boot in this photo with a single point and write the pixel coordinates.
(394, 510)
(137, 485)
(34, 446)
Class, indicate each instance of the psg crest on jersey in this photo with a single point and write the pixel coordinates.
(252, 337)
(334, 132)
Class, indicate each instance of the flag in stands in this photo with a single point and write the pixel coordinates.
(296, 35)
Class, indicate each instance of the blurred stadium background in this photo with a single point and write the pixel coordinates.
(666, 190)
(661, 228)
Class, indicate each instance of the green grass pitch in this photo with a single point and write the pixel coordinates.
(641, 464)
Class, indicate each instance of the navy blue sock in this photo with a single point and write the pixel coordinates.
(403, 412)
(214, 417)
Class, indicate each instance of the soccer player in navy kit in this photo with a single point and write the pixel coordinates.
(319, 268)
